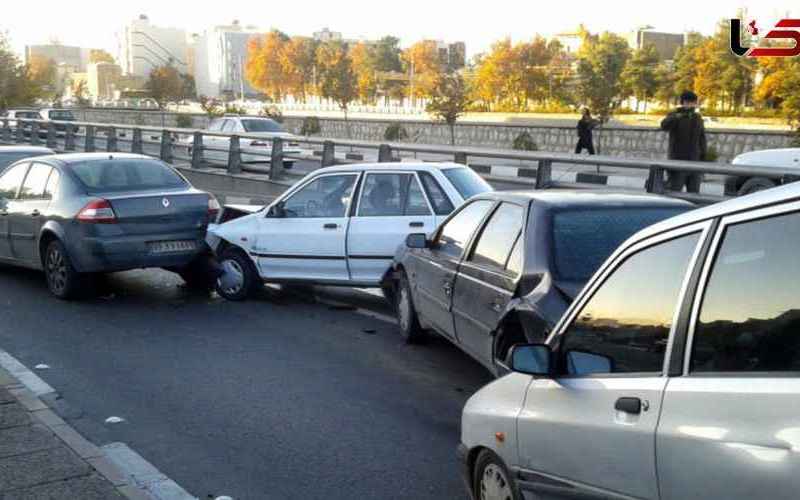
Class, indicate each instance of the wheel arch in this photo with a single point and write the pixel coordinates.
(49, 232)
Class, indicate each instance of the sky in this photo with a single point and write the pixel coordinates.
(93, 23)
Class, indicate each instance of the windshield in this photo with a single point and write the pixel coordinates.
(27, 114)
(583, 239)
(62, 115)
(126, 175)
(466, 182)
(264, 125)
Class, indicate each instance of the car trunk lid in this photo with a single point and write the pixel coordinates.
(159, 212)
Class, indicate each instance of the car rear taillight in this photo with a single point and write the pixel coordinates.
(97, 212)
(213, 208)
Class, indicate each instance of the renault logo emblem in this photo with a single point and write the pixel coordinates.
(165, 202)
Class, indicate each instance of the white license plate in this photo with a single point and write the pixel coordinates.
(172, 246)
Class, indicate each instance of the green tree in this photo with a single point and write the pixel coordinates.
(165, 84)
(337, 80)
(601, 60)
(16, 89)
(387, 55)
(448, 101)
(639, 77)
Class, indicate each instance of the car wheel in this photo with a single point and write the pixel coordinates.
(755, 185)
(239, 276)
(62, 279)
(407, 318)
(491, 479)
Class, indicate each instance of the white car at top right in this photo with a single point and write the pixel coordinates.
(776, 158)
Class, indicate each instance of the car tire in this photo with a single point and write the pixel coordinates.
(236, 261)
(491, 479)
(389, 291)
(756, 184)
(288, 165)
(407, 318)
(62, 279)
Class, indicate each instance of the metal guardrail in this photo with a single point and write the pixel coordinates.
(44, 132)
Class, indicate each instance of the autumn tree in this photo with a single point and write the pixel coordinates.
(337, 79)
(100, 56)
(425, 67)
(448, 101)
(639, 77)
(80, 91)
(601, 60)
(298, 60)
(42, 73)
(265, 69)
(165, 84)
(364, 66)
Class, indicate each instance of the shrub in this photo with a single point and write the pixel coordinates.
(525, 142)
(184, 121)
(711, 154)
(232, 109)
(273, 112)
(310, 126)
(395, 132)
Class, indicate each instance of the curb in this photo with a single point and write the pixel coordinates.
(130, 474)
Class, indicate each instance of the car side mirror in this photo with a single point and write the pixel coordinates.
(417, 240)
(532, 359)
(588, 363)
(277, 211)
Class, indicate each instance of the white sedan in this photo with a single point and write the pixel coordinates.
(338, 225)
(777, 158)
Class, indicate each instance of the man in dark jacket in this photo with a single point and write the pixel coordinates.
(687, 141)
(585, 126)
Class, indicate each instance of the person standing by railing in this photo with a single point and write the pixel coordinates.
(687, 141)
(585, 126)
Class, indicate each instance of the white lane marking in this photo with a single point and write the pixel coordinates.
(29, 379)
(143, 474)
(114, 420)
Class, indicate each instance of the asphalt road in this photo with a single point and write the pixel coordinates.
(281, 397)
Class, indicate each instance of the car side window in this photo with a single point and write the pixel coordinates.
(326, 196)
(749, 319)
(515, 261)
(35, 182)
(391, 195)
(441, 203)
(625, 326)
(11, 179)
(498, 236)
(456, 232)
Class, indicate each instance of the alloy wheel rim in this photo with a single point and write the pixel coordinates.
(494, 484)
(56, 270)
(233, 270)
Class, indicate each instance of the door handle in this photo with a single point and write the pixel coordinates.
(35, 213)
(330, 226)
(416, 224)
(629, 405)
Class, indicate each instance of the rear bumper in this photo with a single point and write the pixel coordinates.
(92, 255)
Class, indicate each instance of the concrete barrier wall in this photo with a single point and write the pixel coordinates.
(639, 142)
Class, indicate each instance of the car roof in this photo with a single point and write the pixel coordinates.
(761, 199)
(393, 165)
(38, 150)
(67, 159)
(557, 199)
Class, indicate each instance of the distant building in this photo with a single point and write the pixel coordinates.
(665, 43)
(570, 41)
(326, 35)
(144, 46)
(453, 55)
(75, 57)
(102, 79)
(220, 59)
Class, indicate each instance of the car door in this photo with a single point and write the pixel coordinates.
(589, 431)
(729, 426)
(306, 240)
(26, 212)
(484, 284)
(434, 269)
(10, 182)
(391, 206)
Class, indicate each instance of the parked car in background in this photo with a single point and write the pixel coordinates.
(11, 154)
(13, 115)
(777, 158)
(75, 215)
(253, 150)
(57, 115)
(338, 225)
(504, 267)
(674, 375)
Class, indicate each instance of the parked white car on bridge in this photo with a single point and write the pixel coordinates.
(338, 225)
(777, 158)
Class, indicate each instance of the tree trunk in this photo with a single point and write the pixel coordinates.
(452, 134)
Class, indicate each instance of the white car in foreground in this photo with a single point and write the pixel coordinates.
(777, 158)
(338, 225)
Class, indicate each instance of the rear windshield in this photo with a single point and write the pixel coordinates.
(467, 182)
(126, 175)
(583, 239)
(62, 115)
(262, 126)
(27, 114)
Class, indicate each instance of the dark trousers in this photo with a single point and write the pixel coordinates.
(676, 180)
(584, 145)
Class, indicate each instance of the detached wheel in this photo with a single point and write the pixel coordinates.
(407, 318)
(62, 279)
(491, 479)
(239, 275)
(755, 185)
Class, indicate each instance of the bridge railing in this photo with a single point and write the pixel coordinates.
(248, 153)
